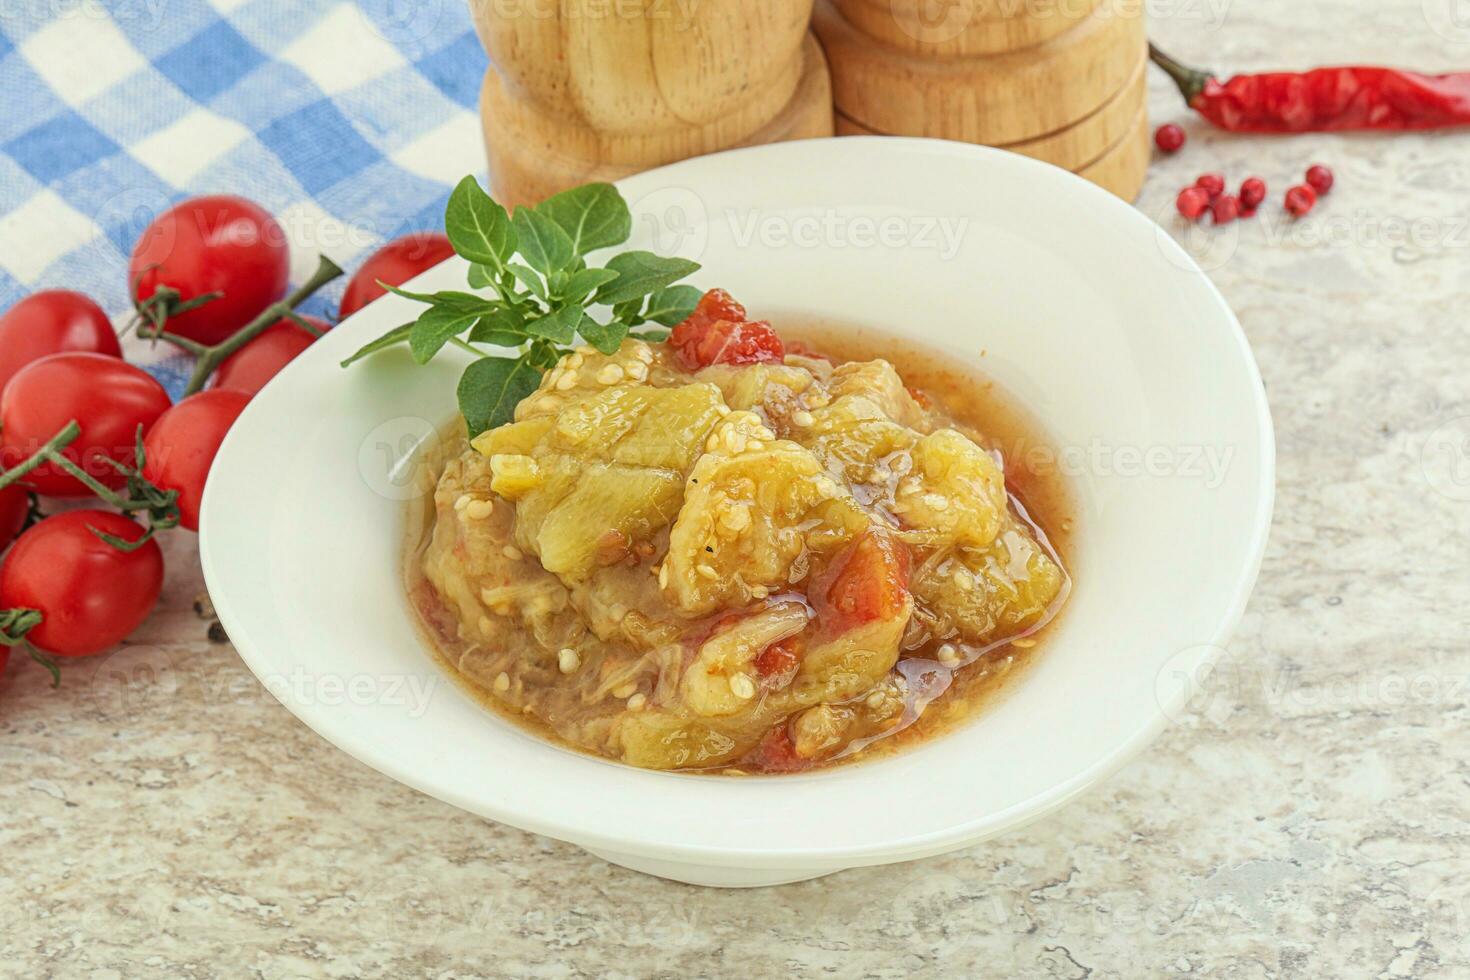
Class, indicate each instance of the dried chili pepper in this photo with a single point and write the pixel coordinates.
(1324, 99)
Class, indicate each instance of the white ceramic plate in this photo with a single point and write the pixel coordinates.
(1085, 310)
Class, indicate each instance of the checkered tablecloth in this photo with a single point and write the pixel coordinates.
(348, 121)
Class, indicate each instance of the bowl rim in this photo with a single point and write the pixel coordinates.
(980, 827)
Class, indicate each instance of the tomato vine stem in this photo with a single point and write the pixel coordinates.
(165, 302)
(47, 453)
(163, 511)
(14, 625)
(207, 359)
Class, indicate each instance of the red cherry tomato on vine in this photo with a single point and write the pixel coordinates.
(250, 367)
(395, 263)
(15, 507)
(209, 244)
(49, 322)
(107, 397)
(89, 593)
(181, 445)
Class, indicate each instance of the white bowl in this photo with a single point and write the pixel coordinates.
(1086, 311)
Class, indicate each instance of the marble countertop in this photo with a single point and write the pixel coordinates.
(162, 815)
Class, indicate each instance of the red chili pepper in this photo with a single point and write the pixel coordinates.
(1324, 99)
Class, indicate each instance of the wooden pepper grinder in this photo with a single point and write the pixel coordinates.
(1059, 80)
(584, 90)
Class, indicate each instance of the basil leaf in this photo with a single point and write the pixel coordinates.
(672, 305)
(593, 216)
(462, 300)
(559, 327)
(527, 277)
(447, 298)
(405, 293)
(545, 247)
(491, 388)
(606, 337)
(654, 335)
(478, 228)
(628, 311)
(640, 273)
(390, 339)
(580, 284)
(434, 328)
(542, 355)
(505, 328)
(482, 277)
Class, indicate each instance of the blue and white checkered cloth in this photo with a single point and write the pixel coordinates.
(348, 121)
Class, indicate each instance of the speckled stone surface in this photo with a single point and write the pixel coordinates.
(163, 816)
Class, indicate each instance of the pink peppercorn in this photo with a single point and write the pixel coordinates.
(1300, 200)
(1320, 179)
(1226, 209)
(1192, 202)
(1170, 138)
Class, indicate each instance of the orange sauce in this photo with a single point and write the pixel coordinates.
(982, 409)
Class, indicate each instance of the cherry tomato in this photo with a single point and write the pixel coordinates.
(181, 445)
(49, 322)
(218, 244)
(15, 507)
(89, 593)
(717, 332)
(107, 397)
(250, 367)
(395, 263)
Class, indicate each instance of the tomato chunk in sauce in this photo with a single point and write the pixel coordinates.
(780, 658)
(777, 753)
(871, 582)
(717, 332)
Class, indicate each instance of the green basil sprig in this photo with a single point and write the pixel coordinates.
(535, 291)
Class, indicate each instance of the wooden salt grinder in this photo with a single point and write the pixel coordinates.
(1059, 80)
(585, 90)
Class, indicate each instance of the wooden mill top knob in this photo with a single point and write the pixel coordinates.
(593, 90)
